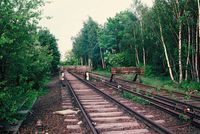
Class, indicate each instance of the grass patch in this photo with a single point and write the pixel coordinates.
(160, 82)
(31, 98)
(183, 118)
(14, 100)
(135, 98)
(166, 83)
(103, 72)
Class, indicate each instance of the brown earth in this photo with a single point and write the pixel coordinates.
(43, 110)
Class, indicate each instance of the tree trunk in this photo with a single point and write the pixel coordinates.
(81, 61)
(102, 59)
(144, 57)
(197, 55)
(89, 62)
(136, 51)
(137, 56)
(188, 54)
(198, 44)
(193, 54)
(86, 60)
(166, 54)
(131, 55)
(178, 16)
(180, 53)
(199, 16)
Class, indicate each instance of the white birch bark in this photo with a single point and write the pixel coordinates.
(197, 55)
(199, 16)
(188, 53)
(166, 54)
(136, 51)
(198, 44)
(180, 53)
(179, 42)
(137, 57)
(144, 59)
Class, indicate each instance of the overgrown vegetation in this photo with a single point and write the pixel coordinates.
(135, 98)
(183, 118)
(28, 55)
(164, 39)
(160, 82)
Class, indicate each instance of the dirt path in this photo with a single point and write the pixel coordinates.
(43, 110)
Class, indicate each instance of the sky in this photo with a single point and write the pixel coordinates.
(67, 16)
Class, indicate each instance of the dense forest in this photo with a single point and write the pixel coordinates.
(164, 39)
(28, 55)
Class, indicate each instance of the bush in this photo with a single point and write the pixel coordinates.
(115, 60)
(26, 58)
(190, 85)
(11, 101)
(148, 70)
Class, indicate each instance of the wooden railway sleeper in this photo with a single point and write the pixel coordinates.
(87, 119)
(189, 114)
(147, 121)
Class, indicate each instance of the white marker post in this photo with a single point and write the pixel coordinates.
(87, 76)
(62, 75)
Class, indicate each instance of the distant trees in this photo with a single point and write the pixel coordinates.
(48, 40)
(164, 38)
(26, 56)
(180, 35)
(85, 44)
(116, 39)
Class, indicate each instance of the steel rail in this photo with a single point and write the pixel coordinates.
(148, 122)
(159, 104)
(189, 114)
(87, 118)
(170, 111)
(175, 101)
(183, 94)
(170, 101)
(149, 86)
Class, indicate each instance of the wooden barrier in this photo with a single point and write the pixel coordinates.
(126, 70)
(78, 69)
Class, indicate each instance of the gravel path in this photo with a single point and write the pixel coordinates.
(43, 110)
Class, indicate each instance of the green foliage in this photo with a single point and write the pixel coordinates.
(103, 72)
(183, 117)
(190, 85)
(25, 61)
(114, 60)
(11, 101)
(47, 39)
(70, 59)
(16, 99)
(146, 37)
(148, 70)
(135, 98)
(85, 44)
(187, 96)
(149, 92)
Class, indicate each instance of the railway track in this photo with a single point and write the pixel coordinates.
(172, 106)
(72, 121)
(188, 98)
(104, 114)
